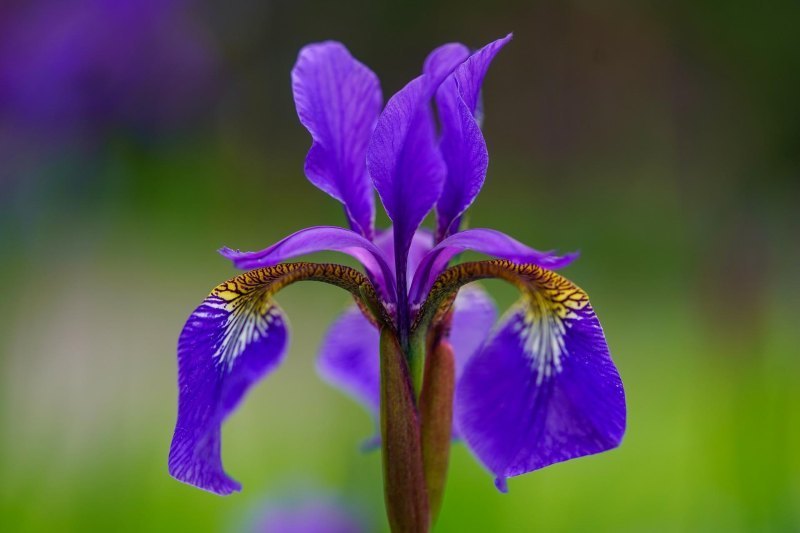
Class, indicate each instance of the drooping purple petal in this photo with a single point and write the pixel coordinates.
(318, 239)
(349, 359)
(486, 241)
(463, 146)
(338, 100)
(231, 341)
(544, 389)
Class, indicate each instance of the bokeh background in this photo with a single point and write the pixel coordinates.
(137, 137)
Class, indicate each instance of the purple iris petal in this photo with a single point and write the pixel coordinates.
(318, 239)
(543, 389)
(407, 169)
(349, 358)
(462, 145)
(404, 161)
(232, 340)
(469, 75)
(421, 244)
(443, 59)
(486, 241)
(474, 316)
(338, 100)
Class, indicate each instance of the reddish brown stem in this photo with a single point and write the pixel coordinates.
(403, 475)
(436, 412)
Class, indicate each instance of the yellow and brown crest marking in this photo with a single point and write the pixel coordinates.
(246, 306)
(542, 316)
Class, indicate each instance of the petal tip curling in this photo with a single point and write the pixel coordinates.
(556, 262)
(221, 486)
(199, 474)
(228, 253)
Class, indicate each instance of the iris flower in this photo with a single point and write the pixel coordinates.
(418, 347)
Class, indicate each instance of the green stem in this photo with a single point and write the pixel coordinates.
(416, 361)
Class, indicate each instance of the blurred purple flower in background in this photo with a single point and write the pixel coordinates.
(74, 76)
(308, 512)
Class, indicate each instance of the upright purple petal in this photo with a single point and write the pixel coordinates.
(404, 161)
(486, 241)
(463, 146)
(442, 60)
(318, 239)
(232, 340)
(469, 75)
(544, 388)
(403, 158)
(349, 358)
(467, 158)
(338, 100)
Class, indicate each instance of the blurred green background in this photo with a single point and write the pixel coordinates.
(659, 139)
